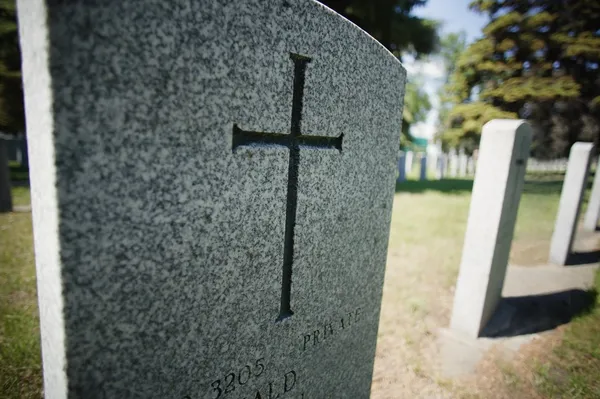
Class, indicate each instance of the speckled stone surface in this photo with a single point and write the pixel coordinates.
(159, 250)
(499, 180)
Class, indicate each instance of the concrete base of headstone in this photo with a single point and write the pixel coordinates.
(533, 301)
(492, 215)
(570, 202)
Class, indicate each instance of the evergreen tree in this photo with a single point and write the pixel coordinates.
(538, 60)
(391, 23)
(452, 46)
(12, 115)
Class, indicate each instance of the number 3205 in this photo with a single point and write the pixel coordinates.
(232, 379)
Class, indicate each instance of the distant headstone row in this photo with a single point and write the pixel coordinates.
(458, 164)
(436, 166)
(552, 165)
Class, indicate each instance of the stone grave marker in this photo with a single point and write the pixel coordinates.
(423, 169)
(462, 163)
(470, 166)
(592, 214)
(497, 188)
(401, 167)
(453, 162)
(441, 166)
(212, 185)
(569, 205)
(409, 161)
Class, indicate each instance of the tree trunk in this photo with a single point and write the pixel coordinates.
(5, 196)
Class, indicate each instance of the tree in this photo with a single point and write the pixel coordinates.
(12, 115)
(416, 107)
(452, 46)
(390, 22)
(538, 60)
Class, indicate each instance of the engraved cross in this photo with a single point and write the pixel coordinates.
(293, 142)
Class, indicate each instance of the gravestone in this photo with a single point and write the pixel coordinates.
(409, 161)
(462, 163)
(423, 169)
(212, 188)
(470, 166)
(432, 163)
(453, 162)
(592, 214)
(441, 166)
(401, 167)
(497, 188)
(569, 205)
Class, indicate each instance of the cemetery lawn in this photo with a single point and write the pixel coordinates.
(426, 237)
(20, 364)
(572, 368)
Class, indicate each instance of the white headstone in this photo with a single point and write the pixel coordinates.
(401, 167)
(441, 167)
(409, 161)
(423, 169)
(570, 202)
(494, 203)
(462, 163)
(212, 187)
(590, 221)
(453, 162)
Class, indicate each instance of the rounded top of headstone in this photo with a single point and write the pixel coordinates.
(506, 125)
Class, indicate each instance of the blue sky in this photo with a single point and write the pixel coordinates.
(454, 16)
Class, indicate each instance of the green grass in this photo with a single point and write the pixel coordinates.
(426, 238)
(573, 368)
(18, 173)
(20, 370)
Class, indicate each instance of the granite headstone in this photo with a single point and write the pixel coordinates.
(212, 184)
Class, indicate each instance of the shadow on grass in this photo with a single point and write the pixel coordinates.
(535, 183)
(449, 186)
(19, 176)
(536, 313)
(583, 258)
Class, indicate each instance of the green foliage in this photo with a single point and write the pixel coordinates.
(538, 60)
(451, 47)
(12, 116)
(417, 103)
(390, 22)
(471, 117)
